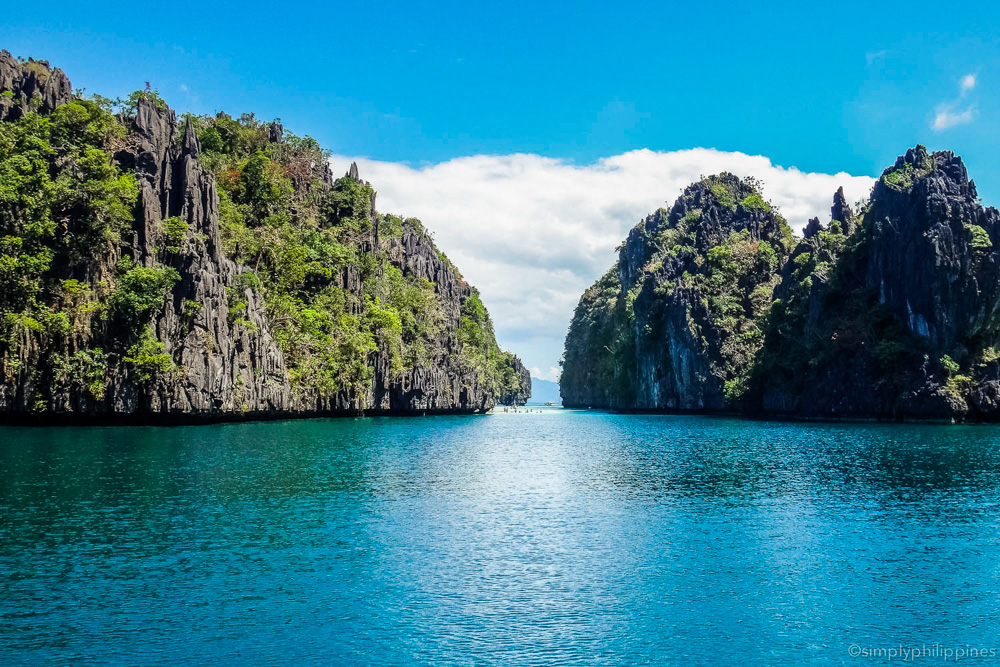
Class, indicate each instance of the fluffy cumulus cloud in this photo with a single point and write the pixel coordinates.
(533, 232)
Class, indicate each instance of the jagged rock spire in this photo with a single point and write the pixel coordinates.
(843, 212)
(812, 228)
(33, 80)
(276, 132)
(921, 260)
(353, 172)
(191, 145)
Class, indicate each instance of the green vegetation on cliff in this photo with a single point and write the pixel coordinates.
(855, 326)
(125, 236)
(299, 235)
(62, 200)
(684, 306)
(890, 311)
(600, 333)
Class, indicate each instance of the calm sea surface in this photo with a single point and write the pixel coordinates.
(559, 537)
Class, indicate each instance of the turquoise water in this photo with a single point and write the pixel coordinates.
(558, 537)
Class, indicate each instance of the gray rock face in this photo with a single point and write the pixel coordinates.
(520, 391)
(892, 312)
(31, 85)
(227, 367)
(984, 395)
(813, 228)
(900, 320)
(442, 385)
(649, 335)
(922, 260)
(842, 212)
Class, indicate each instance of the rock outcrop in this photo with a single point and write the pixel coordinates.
(30, 85)
(897, 319)
(675, 323)
(227, 369)
(842, 212)
(931, 253)
(890, 312)
(518, 386)
(217, 350)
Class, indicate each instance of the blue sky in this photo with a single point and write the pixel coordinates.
(808, 85)
(819, 88)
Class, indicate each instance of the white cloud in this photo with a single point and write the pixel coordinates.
(184, 88)
(552, 375)
(947, 118)
(533, 232)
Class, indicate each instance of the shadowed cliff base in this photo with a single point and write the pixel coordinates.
(199, 418)
(783, 417)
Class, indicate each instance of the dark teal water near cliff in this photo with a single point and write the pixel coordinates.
(512, 539)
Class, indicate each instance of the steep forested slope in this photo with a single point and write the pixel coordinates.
(892, 311)
(677, 322)
(213, 267)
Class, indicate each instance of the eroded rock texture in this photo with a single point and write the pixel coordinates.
(898, 319)
(675, 324)
(518, 387)
(890, 312)
(223, 363)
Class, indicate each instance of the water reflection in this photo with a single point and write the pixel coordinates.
(559, 537)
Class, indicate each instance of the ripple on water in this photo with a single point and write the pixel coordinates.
(558, 537)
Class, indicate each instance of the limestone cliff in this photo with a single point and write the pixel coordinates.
(677, 322)
(517, 384)
(898, 318)
(144, 288)
(890, 312)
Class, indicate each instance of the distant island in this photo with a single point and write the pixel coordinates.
(163, 269)
(890, 311)
(544, 391)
